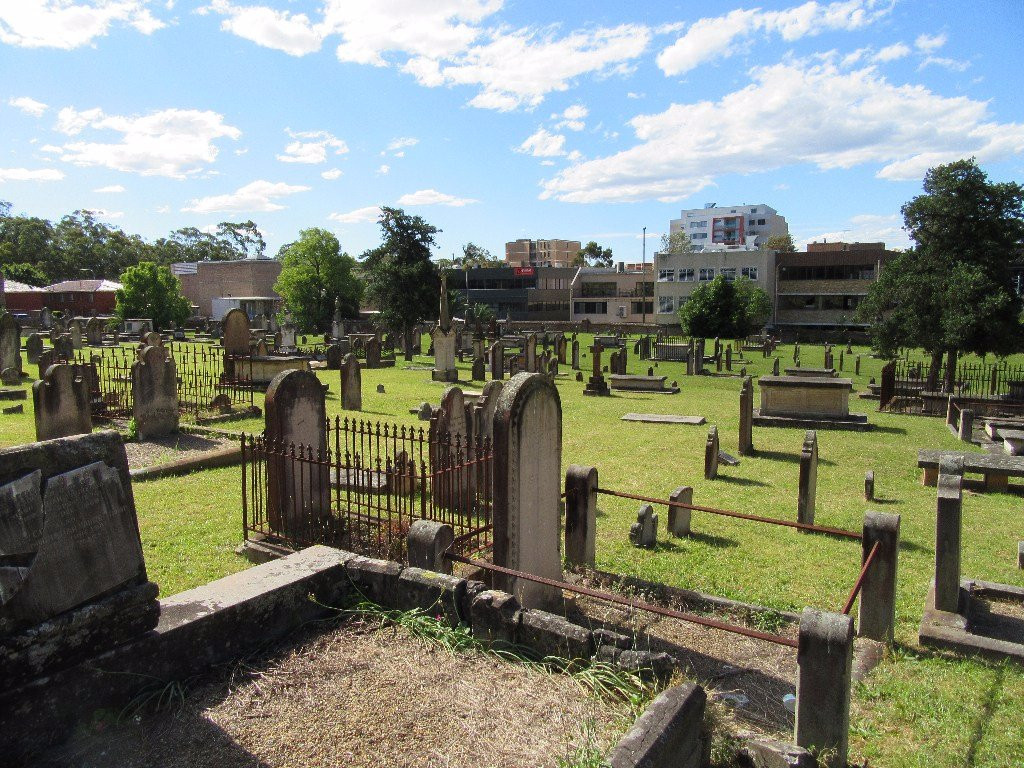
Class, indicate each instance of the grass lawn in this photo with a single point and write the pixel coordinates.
(916, 709)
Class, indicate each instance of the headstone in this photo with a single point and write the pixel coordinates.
(47, 358)
(856, 365)
(948, 527)
(775, 367)
(562, 345)
(75, 328)
(261, 348)
(483, 411)
(333, 357)
(679, 517)
(425, 411)
(373, 352)
(579, 375)
(575, 354)
(842, 360)
(580, 515)
(287, 341)
(596, 385)
(808, 484)
(531, 353)
(746, 442)
(235, 338)
(61, 403)
(298, 475)
(796, 351)
(869, 485)
(154, 393)
(10, 377)
(94, 332)
(552, 367)
(449, 437)
(527, 488)
(337, 323)
(644, 532)
(351, 384)
(479, 372)
(711, 451)
(10, 342)
(728, 357)
(380, 389)
(496, 353)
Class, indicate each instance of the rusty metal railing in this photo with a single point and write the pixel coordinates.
(859, 583)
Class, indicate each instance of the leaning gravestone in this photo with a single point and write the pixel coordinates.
(298, 492)
(351, 384)
(711, 454)
(807, 488)
(154, 393)
(75, 582)
(644, 532)
(34, 347)
(61, 403)
(527, 488)
(10, 343)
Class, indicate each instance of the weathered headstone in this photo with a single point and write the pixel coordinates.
(869, 485)
(711, 451)
(561, 348)
(10, 342)
(808, 484)
(746, 446)
(298, 475)
(552, 367)
(479, 371)
(527, 461)
(575, 354)
(334, 357)
(775, 367)
(531, 353)
(61, 402)
(679, 517)
(351, 384)
(449, 438)
(235, 338)
(728, 357)
(94, 332)
(856, 365)
(496, 354)
(948, 527)
(34, 347)
(426, 410)
(154, 393)
(373, 352)
(596, 385)
(75, 329)
(644, 532)
(580, 515)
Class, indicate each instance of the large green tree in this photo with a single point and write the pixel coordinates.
(593, 255)
(731, 309)
(953, 291)
(150, 290)
(402, 281)
(315, 274)
(782, 243)
(677, 243)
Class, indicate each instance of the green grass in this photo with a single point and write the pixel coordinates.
(917, 709)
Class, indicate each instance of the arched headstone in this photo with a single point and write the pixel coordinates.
(351, 384)
(61, 403)
(10, 342)
(154, 393)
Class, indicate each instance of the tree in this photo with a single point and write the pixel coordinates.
(315, 274)
(725, 308)
(593, 255)
(150, 290)
(476, 256)
(402, 281)
(953, 291)
(244, 238)
(479, 313)
(677, 243)
(24, 273)
(781, 243)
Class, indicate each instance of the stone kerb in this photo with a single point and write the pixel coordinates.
(61, 403)
(808, 483)
(298, 476)
(825, 664)
(581, 485)
(669, 734)
(877, 612)
(154, 393)
(527, 460)
(351, 383)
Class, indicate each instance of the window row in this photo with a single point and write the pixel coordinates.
(669, 304)
(704, 274)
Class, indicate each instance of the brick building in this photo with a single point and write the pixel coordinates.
(204, 281)
(82, 298)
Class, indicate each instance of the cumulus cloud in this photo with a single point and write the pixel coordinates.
(929, 43)
(433, 197)
(571, 118)
(332, 174)
(257, 196)
(28, 105)
(720, 37)
(402, 143)
(384, 170)
(542, 143)
(793, 112)
(892, 52)
(111, 189)
(67, 24)
(30, 174)
(359, 216)
(292, 33)
(172, 142)
(311, 147)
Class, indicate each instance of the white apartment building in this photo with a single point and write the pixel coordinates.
(729, 228)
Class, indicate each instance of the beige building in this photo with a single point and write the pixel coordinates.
(542, 253)
(677, 275)
(204, 281)
(611, 295)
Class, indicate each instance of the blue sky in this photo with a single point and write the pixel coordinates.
(499, 120)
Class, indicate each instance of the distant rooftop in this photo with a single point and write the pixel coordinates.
(13, 286)
(83, 286)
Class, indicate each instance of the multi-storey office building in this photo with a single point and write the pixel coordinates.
(517, 293)
(677, 275)
(541, 253)
(735, 227)
(612, 295)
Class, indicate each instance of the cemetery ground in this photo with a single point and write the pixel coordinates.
(918, 708)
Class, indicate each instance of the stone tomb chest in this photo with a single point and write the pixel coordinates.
(807, 401)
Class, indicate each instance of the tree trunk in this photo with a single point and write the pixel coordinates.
(950, 381)
(933, 371)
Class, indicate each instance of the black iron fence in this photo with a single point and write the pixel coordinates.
(366, 487)
(912, 386)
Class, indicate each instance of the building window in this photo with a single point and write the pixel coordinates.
(703, 224)
(699, 236)
(666, 304)
(707, 273)
(760, 221)
(666, 275)
(749, 272)
(752, 222)
(729, 273)
(686, 275)
(590, 307)
(754, 210)
(641, 307)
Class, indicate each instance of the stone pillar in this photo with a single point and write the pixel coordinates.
(61, 403)
(869, 485)
(965, 430)
(679, 517)
(746, 446)
(825, 664)
(298, 477)
(877, 612)
(580, 515)
(527, 461)
(351, 384)
(807, 489)
(711, 454)
(428, 541)
(154, 393)
(948, 523)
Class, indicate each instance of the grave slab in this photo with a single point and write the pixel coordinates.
(663, 418)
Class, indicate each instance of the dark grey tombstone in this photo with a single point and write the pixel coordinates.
(746, 446)
(580, 515)
(351, 384)
(61, 403)
(575, 354)
(479, 371)
(373, 352)
(333, 357)
(711, 452)
(948, 526)
(869, 485)
(876, 617)
(10, 342)
(154, 393)
(496, 353)
(34, 347)
(808, 484)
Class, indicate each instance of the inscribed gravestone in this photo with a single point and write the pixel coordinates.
(94, 332)
(373, 352)
(154, 393)
(808, 483)
(10, 342)
(75, 329)
(531, 353)
(61, 402)
(351, 384)
(298, 493)
(496, 353)
(334, 356)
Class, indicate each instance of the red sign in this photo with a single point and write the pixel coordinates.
(524, 271)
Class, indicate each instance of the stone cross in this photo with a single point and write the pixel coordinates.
(808, 483)
(351, 384)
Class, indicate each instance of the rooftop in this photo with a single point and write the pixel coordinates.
(83, 286)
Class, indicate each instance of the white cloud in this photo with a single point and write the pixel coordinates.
(103, 213)
(256, 196)
(572, 118)
(332, 174)
(634, 95)
(929, 43)
(433, 197)
(892, 52)
(162, 209)
(543, 144)
(865, 228)
(67, 24)
(292, 33)
(953, 65)
(172, 142)
(311, 147)
(384, 170)
(28, 105)
(112, 189)
(402, 143)
(719, 37)
(358, 216)
(906, 128)
(27, 174)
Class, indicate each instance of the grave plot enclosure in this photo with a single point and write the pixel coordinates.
(381, 478)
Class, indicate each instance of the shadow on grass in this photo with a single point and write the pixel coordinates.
(711, 540)
(789, 458)
(910, 546)
(884, 501)
(742, 481)
(889, 430)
